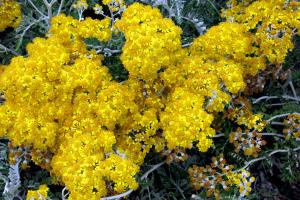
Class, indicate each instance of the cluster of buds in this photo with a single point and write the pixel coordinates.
(40, 194)
(80, 5)
(242, 180)
(241, 113)
(176, 155)
(41, 158)
(98, 9)
(249, 142)
(255, 84)
(115, 5)
(292, 126)
(16, 154)
(26, 154)
(219, 176)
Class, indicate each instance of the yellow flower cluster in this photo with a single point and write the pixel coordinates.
(80, 5)
(237, 55)
(292, 127)
(98, 9)
(176, 155)
(67, 27)
(114, 5)
(274, 23)
(61, 99)
(249, 142)
(220, 175)
(184, 121)
(57, 70)
(87, 165)
(40, 194)
(248, 119)
(150, 41)
(10, 14)
(139, 136)
(207, 71)
(242, 180)
(242, 114)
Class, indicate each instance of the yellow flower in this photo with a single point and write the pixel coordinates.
(40, 194)
(98, 9)
(10, 14)
(114, 5)
(151, 41)
(80, 5)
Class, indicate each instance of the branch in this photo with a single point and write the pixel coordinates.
(281, 115)
(3, 178)
(259, 159)
(214, 7)
(49, 8)
(273, 134)
(60, 7)
(265, 157)
(219, 135)
(293, 89)
(40, 12)
(13, 182)
(151, 170)
(63, 195)
(263, 134)
(263, 98)
(291, 98)
(28, 27)
(187, 45)
(199, 24)
(277, 123)
(275, 104)
(5, 49)
(108, 51)
(255, 101)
